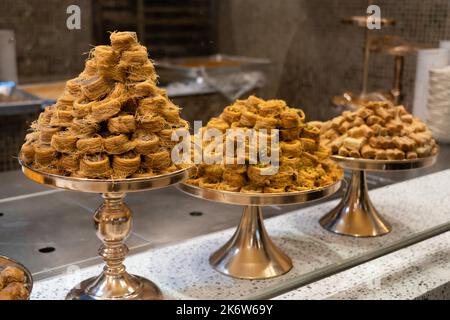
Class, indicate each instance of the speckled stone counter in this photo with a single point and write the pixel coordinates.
(182, 270)
(421, 271)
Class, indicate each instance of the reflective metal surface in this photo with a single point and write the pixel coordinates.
(355, 215)
(8, 262)
(260, 199)
(113, 222)
(250, 253)
(105, 185)
(384, 165)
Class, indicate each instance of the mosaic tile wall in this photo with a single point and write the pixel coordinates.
(314, 55)
(46, 49)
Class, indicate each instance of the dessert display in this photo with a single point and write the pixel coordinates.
(304, 163)
(112, 122)
(380, 131)
(13, 284)
(381, 137)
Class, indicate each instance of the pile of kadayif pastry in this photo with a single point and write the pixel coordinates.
(378, 130)
(12, 284)
(304, 163)
(112, 121)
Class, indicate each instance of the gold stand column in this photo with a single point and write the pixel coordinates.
(113, 222)
(250, 253)
(355, 215)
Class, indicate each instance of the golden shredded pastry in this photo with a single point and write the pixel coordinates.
(304, 163)
(110, 111)
(12, 284)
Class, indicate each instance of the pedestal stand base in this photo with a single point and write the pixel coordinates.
(99, 288)
(250, 253)
(356, 216)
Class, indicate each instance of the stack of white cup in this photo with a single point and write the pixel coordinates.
(438, 104)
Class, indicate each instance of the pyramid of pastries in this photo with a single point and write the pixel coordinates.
(379, 130)
(303, 163)
(112, 120)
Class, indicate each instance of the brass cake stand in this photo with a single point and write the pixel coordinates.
(355, 215)
(250, 253)
(113, 221)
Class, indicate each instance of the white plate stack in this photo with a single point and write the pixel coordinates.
(438, 104)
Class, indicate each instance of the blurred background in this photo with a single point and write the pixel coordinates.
(313, 54)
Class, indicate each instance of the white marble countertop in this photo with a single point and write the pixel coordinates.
(182, 270)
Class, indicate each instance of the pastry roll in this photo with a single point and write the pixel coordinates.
(364, 113)
(371, 120)
(418, 126)
(394, 127)
(400, 111)
(385, 142)
(376, 129)
(368, 151)
(360, 131)
(354, 154)
(383, 114)
(421, 138)
(407, 118)
(336, 144)
(380, 154)
(411, 155)
(349, 115)
(337, 122)
(354, 143)
(395, 154)
(358, 122)
(374, 142)
(424, 151)
(343, 151)
(344, 127)
(404, 143)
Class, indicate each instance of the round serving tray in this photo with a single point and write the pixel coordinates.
(104, 185)
(384, 165)
(260, 199)
(8, 262)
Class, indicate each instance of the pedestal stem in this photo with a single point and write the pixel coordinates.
(250, 253)
(113, 221)
(355, 215)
